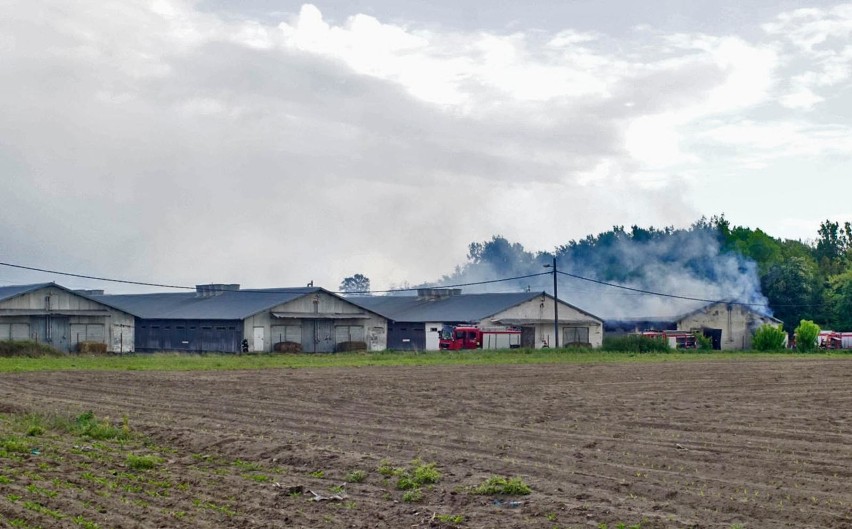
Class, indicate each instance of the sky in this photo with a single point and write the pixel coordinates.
(274, 143)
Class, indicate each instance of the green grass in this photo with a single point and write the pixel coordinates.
(210, 362)
(144, 462)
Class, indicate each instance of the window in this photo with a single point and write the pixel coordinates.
(286, 333)
(575, 335)
(348, 333)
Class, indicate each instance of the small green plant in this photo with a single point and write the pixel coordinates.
(503, 485)
(87, 425)
(317, 474)
(356, 476)
(387, 470)
(338, 489)
(85, 524)
(260, 478)
(142, 462)
(420, 474)
(14, 444)
(412, 496)
(450, 518)
(737, 526)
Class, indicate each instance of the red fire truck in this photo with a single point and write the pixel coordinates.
(455, 338)
(675, 339)
(835, 340)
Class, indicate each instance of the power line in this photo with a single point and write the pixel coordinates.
(83, 276)
(260, 291)
(409, 289)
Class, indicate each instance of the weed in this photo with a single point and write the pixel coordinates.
(449, 518)
(503, 485)
(338, 489)
(412, 496)
(387, 470)
(421, 474)
(737, 526)
(13, 497)
(87, 425)
(14, 444)
(39, 508)
(32, 488)
(5, 480)
(356, 476)
(246, 465)
(85, 524)
(260, 478)
(142, 462)
(317, 474)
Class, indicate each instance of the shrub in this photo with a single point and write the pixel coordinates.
(769, 337)
(806, 336)
(27, 348)
(91, 348)
(345, 347)
(287, 347)
(703, 343)
(635, 343)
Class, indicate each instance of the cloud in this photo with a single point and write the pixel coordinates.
(158, 141)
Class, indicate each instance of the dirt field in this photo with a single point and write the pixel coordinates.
(688, 444)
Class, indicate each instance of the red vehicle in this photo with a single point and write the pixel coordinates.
(675, 339)
(835, 340)
(456, 338)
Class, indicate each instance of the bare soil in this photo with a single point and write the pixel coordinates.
(680, 444)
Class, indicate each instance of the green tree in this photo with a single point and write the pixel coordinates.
(806, 336)
(839, 300)
(357, 284)
(769, 337)
(792, 288)
(833, 246)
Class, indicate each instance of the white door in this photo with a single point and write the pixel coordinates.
(258, 340)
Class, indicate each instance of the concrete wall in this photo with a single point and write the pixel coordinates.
(61, 319)
(737, 323)
(258, 329)
(538, 313)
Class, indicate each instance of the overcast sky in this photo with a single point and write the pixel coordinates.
(271, 143)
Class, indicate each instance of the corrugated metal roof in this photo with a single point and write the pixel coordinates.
(229, 305)
(461, 308)
(16, 290)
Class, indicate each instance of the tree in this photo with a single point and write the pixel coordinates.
(792, 288)
(839, 299)
(769, 337)
(357, 284)
(806, 336)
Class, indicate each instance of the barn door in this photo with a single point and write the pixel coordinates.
(258, 344)
(58, 329)
(528, 337)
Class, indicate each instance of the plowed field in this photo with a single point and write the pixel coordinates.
(680, 444)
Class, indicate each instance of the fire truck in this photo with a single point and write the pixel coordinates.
(675, 339)
(835, 340)
(458, 337)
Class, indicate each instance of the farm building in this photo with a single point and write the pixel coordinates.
(60, 317)
(729, 326)
(218, 317)
(415, 322)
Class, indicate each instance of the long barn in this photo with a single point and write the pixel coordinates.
(62, 318)
(219, 317)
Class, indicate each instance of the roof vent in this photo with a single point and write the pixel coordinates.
(433, 294)
(214, 289)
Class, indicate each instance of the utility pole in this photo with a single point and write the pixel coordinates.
(555, 305)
